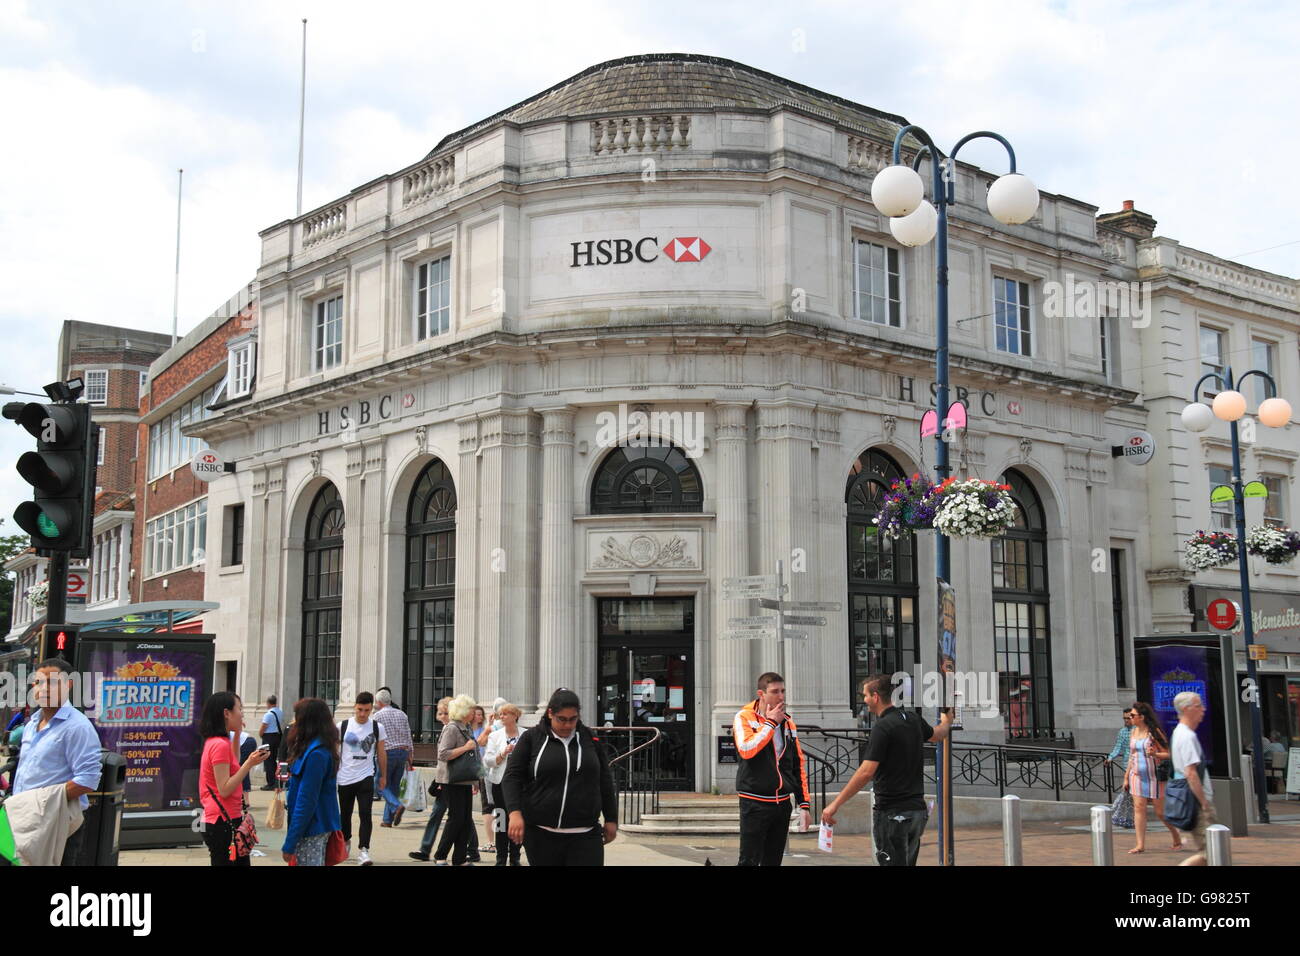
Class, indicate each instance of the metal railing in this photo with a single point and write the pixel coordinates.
(635, 765)
(981, 769)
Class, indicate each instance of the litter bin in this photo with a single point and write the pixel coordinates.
(102, 820)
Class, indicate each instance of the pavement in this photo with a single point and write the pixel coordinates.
(1056, 843)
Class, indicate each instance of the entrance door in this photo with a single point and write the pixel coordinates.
(647, 680)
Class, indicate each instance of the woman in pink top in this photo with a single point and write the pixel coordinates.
(223, 715)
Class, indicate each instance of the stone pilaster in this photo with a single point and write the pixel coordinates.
(464, 658)
(732, 667)
(558, 651)
(507, 556)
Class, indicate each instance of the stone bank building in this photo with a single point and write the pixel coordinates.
(426, 494)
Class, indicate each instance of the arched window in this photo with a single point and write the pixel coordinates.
(646, 479)
(1022, 641)
(322, 597)
(430, 596)
(882, 579)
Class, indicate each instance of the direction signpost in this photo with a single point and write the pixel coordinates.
(767, 590)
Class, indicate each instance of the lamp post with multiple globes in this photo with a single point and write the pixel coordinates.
(899, 192)
(1230, 405)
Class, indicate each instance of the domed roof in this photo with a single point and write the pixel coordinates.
(681, 82)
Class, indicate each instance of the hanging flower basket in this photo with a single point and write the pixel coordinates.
(1213, 549)
(974, 508)
(909, 506)
(38, 595)
(1274, 545)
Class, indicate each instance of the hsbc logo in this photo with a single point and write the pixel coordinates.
(603, 252)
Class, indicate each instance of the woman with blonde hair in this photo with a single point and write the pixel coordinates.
(499, 747)
(458, 771)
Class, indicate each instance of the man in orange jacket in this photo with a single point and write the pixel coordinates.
(772, 770)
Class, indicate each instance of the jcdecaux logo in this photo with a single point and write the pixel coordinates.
(604, 252)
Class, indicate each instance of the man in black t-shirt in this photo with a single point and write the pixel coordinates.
(894, 760)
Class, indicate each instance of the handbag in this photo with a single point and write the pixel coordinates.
(466, 768)
(1121, 811)
(243, 837)
(336, 850)
(275, 813)
(1181, 805)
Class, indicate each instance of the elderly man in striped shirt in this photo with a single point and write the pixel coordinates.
(401, 753)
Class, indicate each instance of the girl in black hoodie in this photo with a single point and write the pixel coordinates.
(557, 786)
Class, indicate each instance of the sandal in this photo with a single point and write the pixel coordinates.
(1137, 850)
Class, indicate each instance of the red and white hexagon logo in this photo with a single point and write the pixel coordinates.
(687, 249)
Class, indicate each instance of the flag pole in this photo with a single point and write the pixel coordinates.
(302, 114)
(176, 285)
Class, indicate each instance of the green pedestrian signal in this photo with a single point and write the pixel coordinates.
(46, 526)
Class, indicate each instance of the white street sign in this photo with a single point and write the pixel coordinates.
(763, 621)
(794, 635)
(813, 606)
(750, 594)
(766, 626)
(747, 635)
(806, 621)
(753, 581)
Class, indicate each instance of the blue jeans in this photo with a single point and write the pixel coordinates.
(431, 828)
(388, 789)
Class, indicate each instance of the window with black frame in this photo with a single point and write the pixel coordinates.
(322, 597)
(1022, 642)
(430, 597)
(882, 579)
(647, 479)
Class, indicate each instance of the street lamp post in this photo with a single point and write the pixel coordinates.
(1230, 405)
(899, 192)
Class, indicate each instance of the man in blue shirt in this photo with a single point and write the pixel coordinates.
(60, 746)
(1119, 753)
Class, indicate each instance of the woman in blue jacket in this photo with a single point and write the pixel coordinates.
(313, 799)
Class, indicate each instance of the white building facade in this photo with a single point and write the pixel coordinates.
(438, 493)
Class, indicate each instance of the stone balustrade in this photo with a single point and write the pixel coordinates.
(428, 180)
(1208, 268)
(324, 225)
(868, 156)
(640, 134)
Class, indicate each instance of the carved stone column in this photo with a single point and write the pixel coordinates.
(464, 658)
(733, 675)
(558, 651)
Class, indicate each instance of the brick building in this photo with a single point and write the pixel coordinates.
(168, 550)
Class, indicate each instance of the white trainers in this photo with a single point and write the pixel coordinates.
(363, 858)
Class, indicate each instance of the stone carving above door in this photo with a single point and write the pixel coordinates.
(641, 550)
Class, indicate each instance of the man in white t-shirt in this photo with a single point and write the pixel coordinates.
(1189, 761)
(361, 742)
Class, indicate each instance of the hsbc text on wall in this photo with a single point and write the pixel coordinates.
(603, 252)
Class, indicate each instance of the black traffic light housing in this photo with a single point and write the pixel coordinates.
(62, 472)
(60, 641)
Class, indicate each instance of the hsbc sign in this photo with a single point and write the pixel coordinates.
(604, 252)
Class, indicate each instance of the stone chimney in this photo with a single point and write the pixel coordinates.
(1129, 220)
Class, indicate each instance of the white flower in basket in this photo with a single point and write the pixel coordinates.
(1274, 545)
(974, 508)
(38, 595)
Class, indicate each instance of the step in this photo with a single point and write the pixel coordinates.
(651, 818)
(690, 828)
(716, 809)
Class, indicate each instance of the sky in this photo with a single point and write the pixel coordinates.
(1187, 108)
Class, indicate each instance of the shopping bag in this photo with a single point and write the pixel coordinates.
(336, 850)
(275, 813)
(1121, 811)
(411, 792)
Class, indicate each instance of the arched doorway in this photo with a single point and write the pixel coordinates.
(882, 579)
(1022, 641)
(430, 597)
(322, 597)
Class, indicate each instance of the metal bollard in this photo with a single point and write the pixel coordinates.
(1218, 845)
(1012, 852)
(1103, 850)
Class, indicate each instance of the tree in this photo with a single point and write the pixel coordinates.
(10, 545)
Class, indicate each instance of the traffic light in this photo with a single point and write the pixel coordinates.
(60, 641)
(62, 470)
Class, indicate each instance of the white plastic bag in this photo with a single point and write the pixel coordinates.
(411, 792)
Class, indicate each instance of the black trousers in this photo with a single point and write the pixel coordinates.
(897, 835)
(564, 849)
(458, 832)
(272, 741)
(72, 849)
(217, 837)
(764, 828)
(363, 793)
(507, 849)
